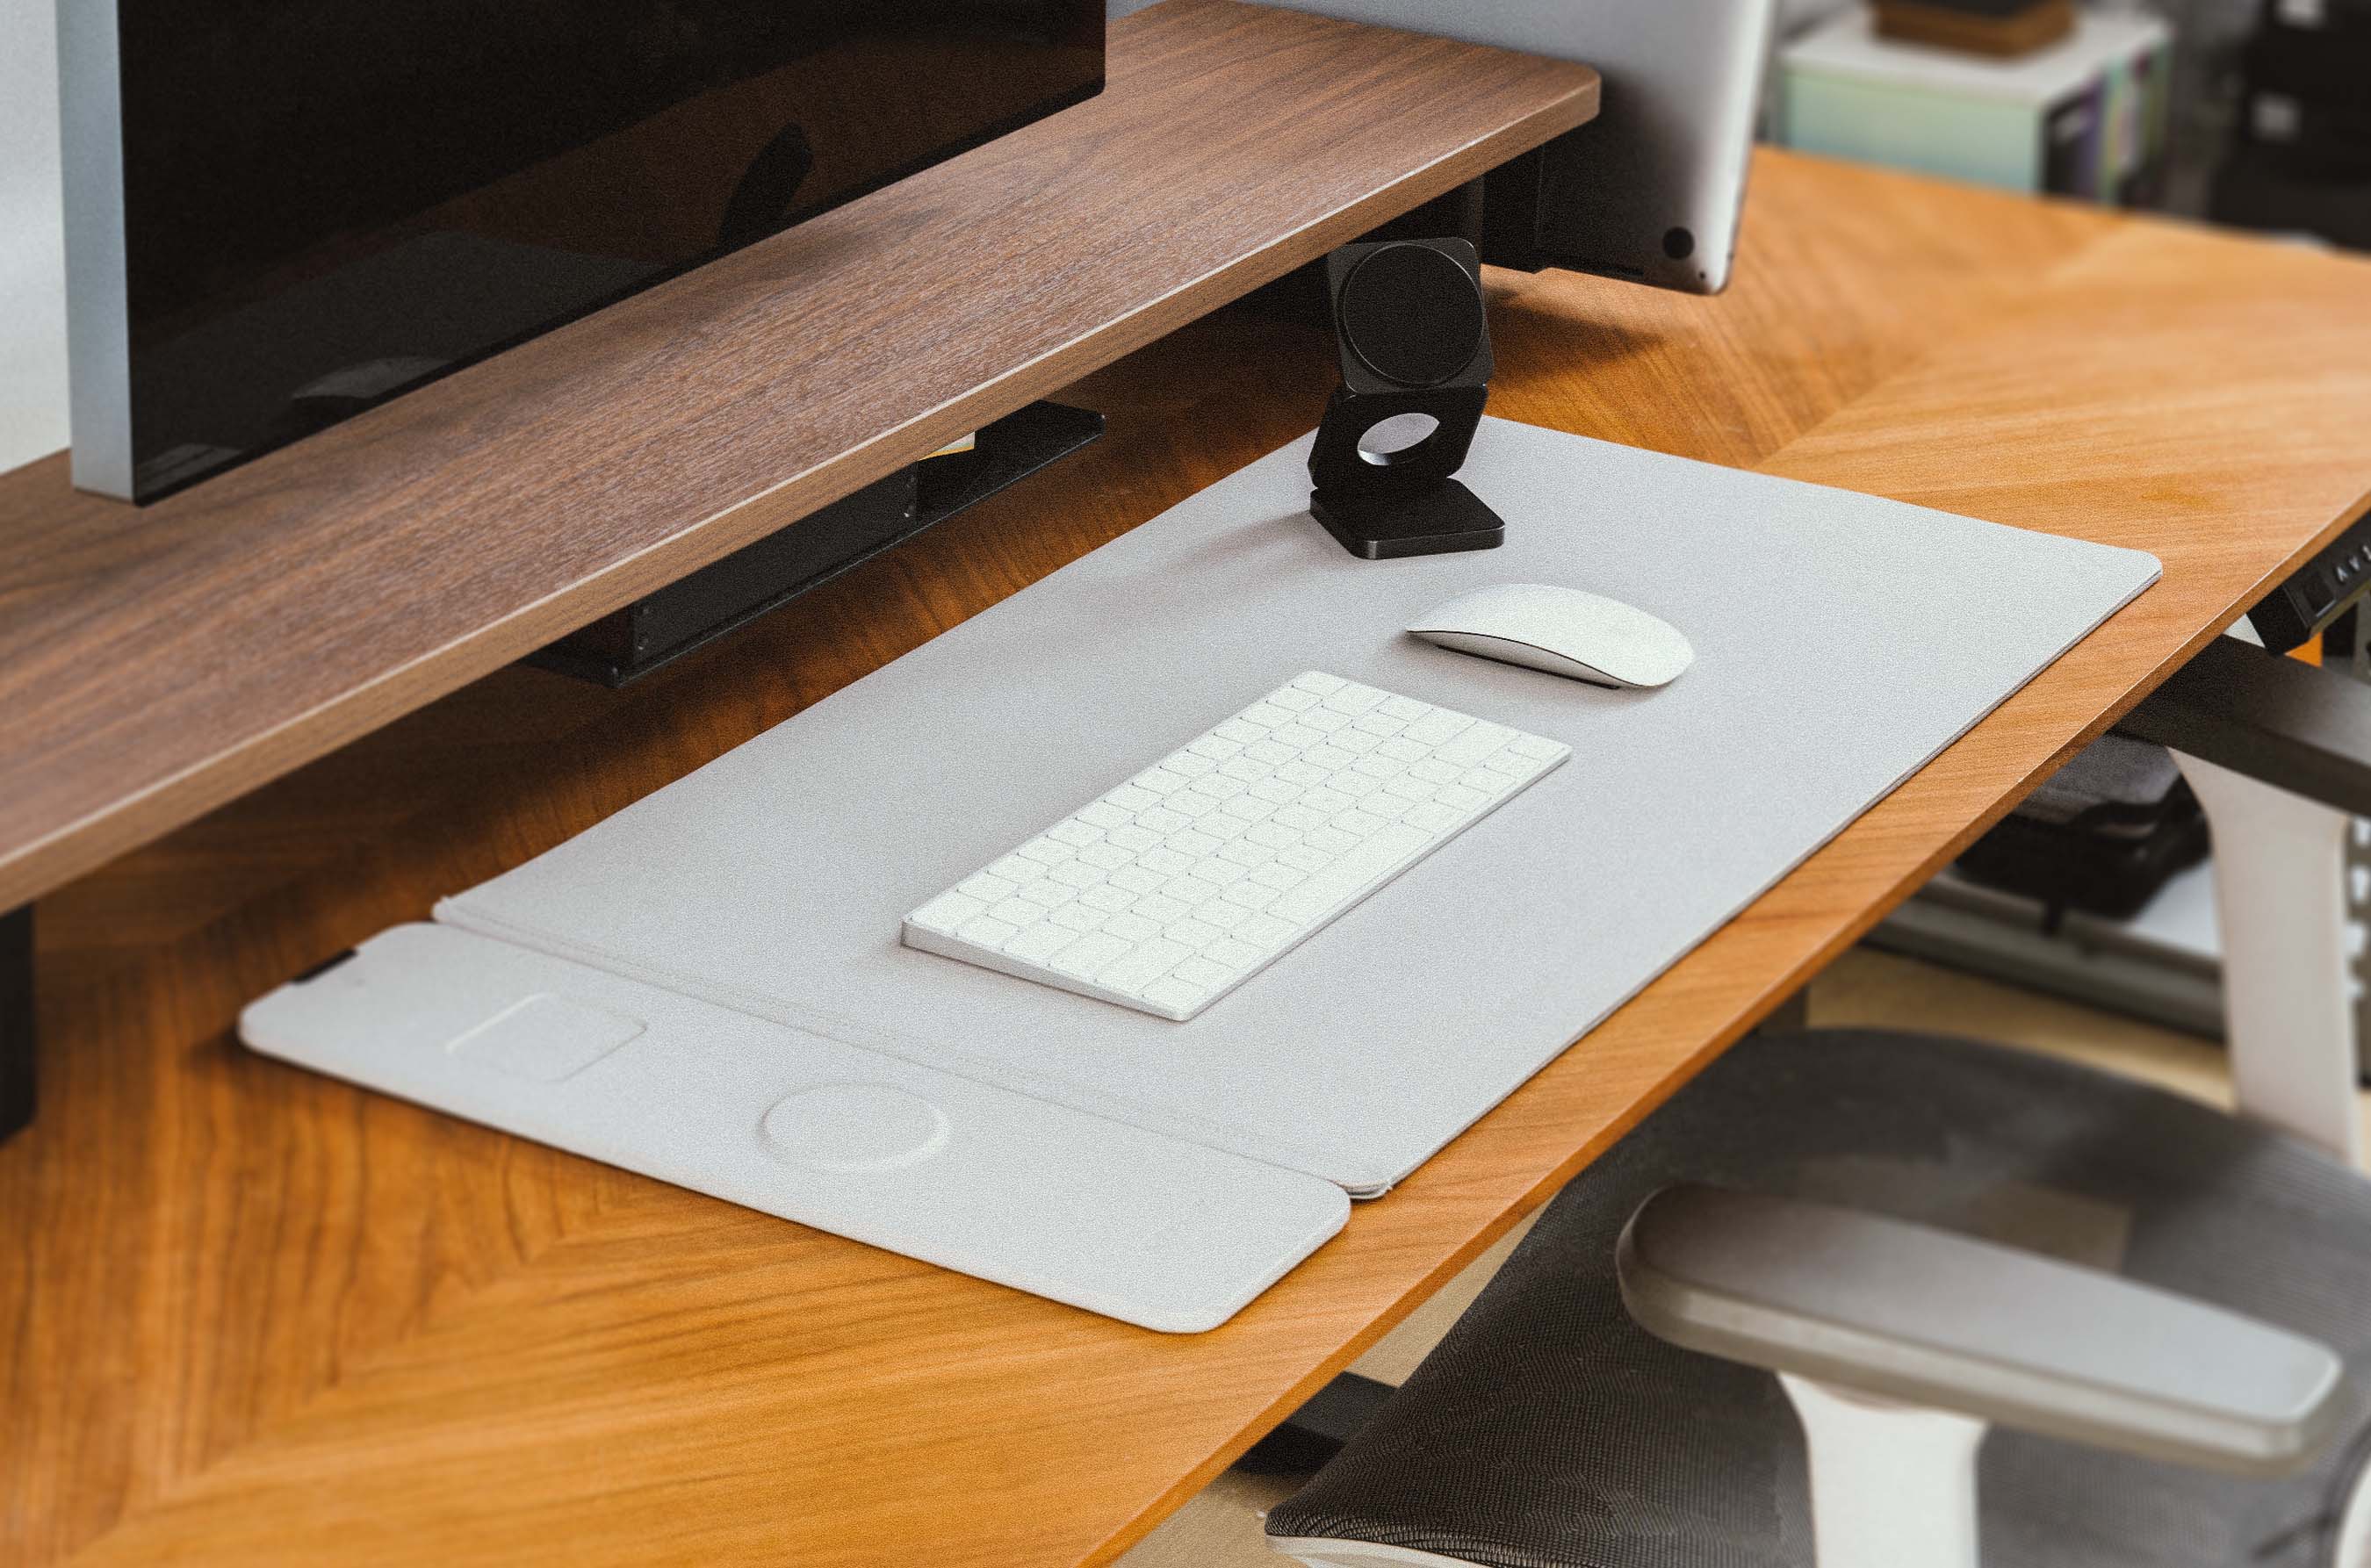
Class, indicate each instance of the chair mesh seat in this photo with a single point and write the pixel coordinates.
(1549, 1431)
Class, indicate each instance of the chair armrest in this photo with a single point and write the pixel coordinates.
(2278, 721)
(1924, 1317)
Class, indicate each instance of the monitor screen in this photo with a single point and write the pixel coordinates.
(325, 203)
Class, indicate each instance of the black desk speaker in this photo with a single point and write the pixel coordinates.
(1414, 351)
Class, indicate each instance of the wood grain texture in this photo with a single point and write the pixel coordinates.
(251, 1315)
(157, 662)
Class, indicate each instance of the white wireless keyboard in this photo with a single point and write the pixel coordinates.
(1200, 871)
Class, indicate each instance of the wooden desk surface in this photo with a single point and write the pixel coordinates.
(251, 1315)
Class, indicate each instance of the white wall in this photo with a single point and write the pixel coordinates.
(33, 258)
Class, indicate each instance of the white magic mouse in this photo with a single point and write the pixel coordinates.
(1584, 637)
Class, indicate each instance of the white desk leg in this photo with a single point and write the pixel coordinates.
(1892, 1486)
(2281, 896)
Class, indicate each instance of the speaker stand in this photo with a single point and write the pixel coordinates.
(1438, 520)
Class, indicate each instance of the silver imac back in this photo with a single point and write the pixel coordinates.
(1650, 190)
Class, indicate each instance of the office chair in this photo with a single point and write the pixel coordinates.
(2161, 1313)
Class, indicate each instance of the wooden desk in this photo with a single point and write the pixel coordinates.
(252, 1315)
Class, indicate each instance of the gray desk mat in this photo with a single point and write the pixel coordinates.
(1842, 642)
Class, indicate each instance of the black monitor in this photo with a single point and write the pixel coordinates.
(280, 213)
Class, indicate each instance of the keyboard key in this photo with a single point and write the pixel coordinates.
(1198, 971)
(948, 911)
(1078, 918)
(1379, 855)
(1193, 933)
(1128, 928)
(1233, 954)
(1226, 917)
(1090, 954)
(1435, 727)
(1353, 699)
(1188, 880)
(1015, 869)
(1263, 931)
(1160, 909)
(988, 931)
(1474, 744)
(1142, 966)
(1140, 878)
(1429, 817)
(1040, 942)
(1172, 998)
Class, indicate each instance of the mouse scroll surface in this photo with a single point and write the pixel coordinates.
(1561, 631)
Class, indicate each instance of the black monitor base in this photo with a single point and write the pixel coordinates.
(694, 611)
(1442, 520)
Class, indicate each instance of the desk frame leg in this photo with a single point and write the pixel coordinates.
(15, 1022)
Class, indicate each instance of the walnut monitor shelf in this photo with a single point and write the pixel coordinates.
(154, 662)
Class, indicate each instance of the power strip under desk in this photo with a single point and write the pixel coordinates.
(1149, 1229)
